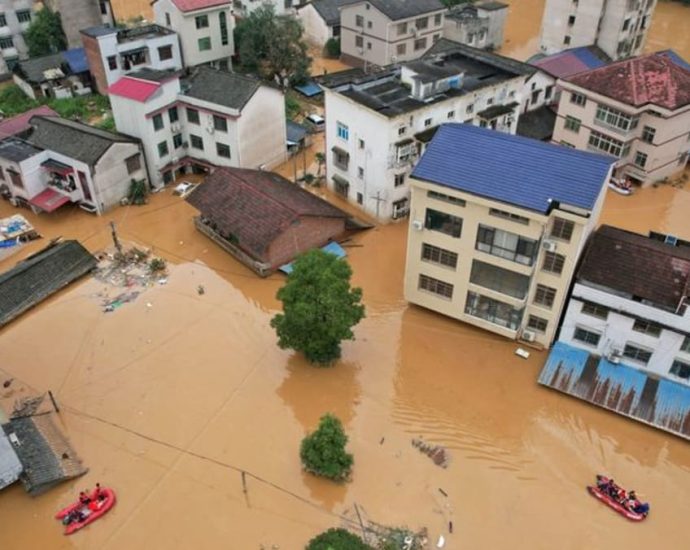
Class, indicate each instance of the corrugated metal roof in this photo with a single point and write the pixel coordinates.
(76, 59)
(135, 89)
(573, 61)
(512, 169)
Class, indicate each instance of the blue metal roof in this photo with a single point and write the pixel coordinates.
(512, 169)
(586, 55)
(310, 89)
(678, 60)
(76, 59)
(295, 132)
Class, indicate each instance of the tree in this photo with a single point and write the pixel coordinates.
(319, 307)
(320, 159)
(273, 46)
(45, 34)
(323, 452)
(332, 48)
(337, 539)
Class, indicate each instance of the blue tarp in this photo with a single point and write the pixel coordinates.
(76, 59)
(332, 248)
(310, 89)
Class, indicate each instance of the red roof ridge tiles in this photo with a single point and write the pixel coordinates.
(192, 5)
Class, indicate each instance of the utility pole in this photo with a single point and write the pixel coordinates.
(378, 200)
(116, 241)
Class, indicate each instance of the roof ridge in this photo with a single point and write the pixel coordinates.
(260, 192)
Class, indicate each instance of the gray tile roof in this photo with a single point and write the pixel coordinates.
(153, 75)
(446, 46)
(329, 10)
(73, 139)
(402, 9)
(100, 30)
(295, 132)
(221, 87)
(32, 69)
(537, 124)
(41, 275)
(16, 150)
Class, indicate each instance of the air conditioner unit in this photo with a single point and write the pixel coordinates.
(174, 160)
(185, 144)
(415, 31)
(175, 127)
(549, 246)
(615, 359)
(418, 225)
(210, 129)
(528, 336)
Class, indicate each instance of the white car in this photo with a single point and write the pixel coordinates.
(315, 122)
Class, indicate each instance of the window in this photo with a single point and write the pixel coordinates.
(578, 99)
(402, 130)
(435, 286)
(562, 229)
(537, 323)
(360, 172)
(422, 23)
(399, 180)
(544, 295)
(566, 40)
(443, 223)
(553, 263)
(204, 44)
(595, 310)
(647, 327)
(469, 108)
(342, 131)
(494, 311)
(341, 159)
(112, 62)
(223, 150)
(177, 141)
(626, 24)
(571, 21)
(680, 369)
(636, 353)
(401, 49)
(548, 92)
(402, 28)
(499, 279)
(451, 115)
(196, 142)
(572, 124)
(508, 216)
(165, 53)
(586, 336)
(359, 41)
(162, 149)
(6, 43)
(359, 20)
(133, 163)
(360, 198)
(369, 24)
(648, 134)
(158, 123)
(201, 21)
(437, 255)
(420, 44)
(640, 159)
(504, 244)
(192, 116)
(438, 19)
(3, 20)
(173, 115)
(12, 62)
(427, 123)
(167, 20)
(104, 7)
(341, 186)
(360, 143)
(446, 198)
(24, 16)
(490, 101)
(685, 346)
(222, 21)
(368, 45)
(607, 144)
(15, 178)
(615, 119)
(2, 174)
(220, 123)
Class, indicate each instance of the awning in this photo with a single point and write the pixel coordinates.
(135, 51)
(309, 89)
(332, 248)
(340, 181)
(340, 151)
(497, 110)
(425, 136)
(404, 142)
(51, 165)
(49, 200)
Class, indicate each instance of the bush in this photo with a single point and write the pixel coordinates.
(292, 106)
(157, 265)
(337, 539)
(332, 48)
(323, 451)
(13, 101)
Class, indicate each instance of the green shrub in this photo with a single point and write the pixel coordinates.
(332, 48)
(337, 539)
(292, 106)
(13, 101)
(157, 265)
(323, 451)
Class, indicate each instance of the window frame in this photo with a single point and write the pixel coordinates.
(553, 263)
(169, 52)
(223, 146)
(639, 351)
(562, 229)
(455, 229)
(207, 44)
(595, 310)
(193, 142)
(586, 333)
(439, 256)
(434, 286)
(195, 118)
(537, 323)
(220, 124)
(544, 296)
(201, 21)
(134, 159)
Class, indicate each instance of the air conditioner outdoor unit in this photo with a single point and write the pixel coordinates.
(418, 225)
(185, 144)
(550, 246)
(175, 127)
(174, 160)
(210, 129)
(529, 336)
(615, 359)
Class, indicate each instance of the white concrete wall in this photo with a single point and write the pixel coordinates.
(111, 181)
(262, 130)
(315, 29)
(31, 172)
(540, 82)
(14, 29)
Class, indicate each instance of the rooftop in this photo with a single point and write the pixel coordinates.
(73, 139)
(471, 11)
(53, 66)
(127, 34)
(329, 10)
(221, 87)
(637, 265)
(403, 9)
(17, 150)
(656, 79)
(136, 89)
(570, 62)
(511, 169)
(20, 123)
(537, 124)
(255, 207)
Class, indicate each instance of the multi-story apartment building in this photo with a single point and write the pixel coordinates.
(479, 25)
(205, 29)
(81, 14)
(15, 18)
(618, 27)
(113, 52)
(497, 224)
(280, 7)
(637, 110)
(213, 118)
(380, 32)
(377, 124)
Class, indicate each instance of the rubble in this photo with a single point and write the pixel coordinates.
(435, 452)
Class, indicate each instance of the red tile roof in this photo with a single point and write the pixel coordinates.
(255, 207)
(191, 5)
(20, 123)
(650, 79)
(49, 200)
(134, 88)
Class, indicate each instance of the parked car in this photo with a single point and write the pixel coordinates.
(315, 123)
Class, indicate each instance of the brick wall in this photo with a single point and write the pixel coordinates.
(310, 233)
(93, 56)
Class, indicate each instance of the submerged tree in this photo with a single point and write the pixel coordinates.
(45, 34)
(319, 307)
(323, 452)
(337, 539)
(273, 46)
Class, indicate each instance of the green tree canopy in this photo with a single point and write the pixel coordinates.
(337, 539)
(319, 307)
(45, 34)
(323, 452)
(273, 46)
(452, 3)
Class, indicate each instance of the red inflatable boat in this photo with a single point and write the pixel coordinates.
(96, 509)
(602, 494)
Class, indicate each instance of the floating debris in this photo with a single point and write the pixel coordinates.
(126, 297)
(435, 452)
